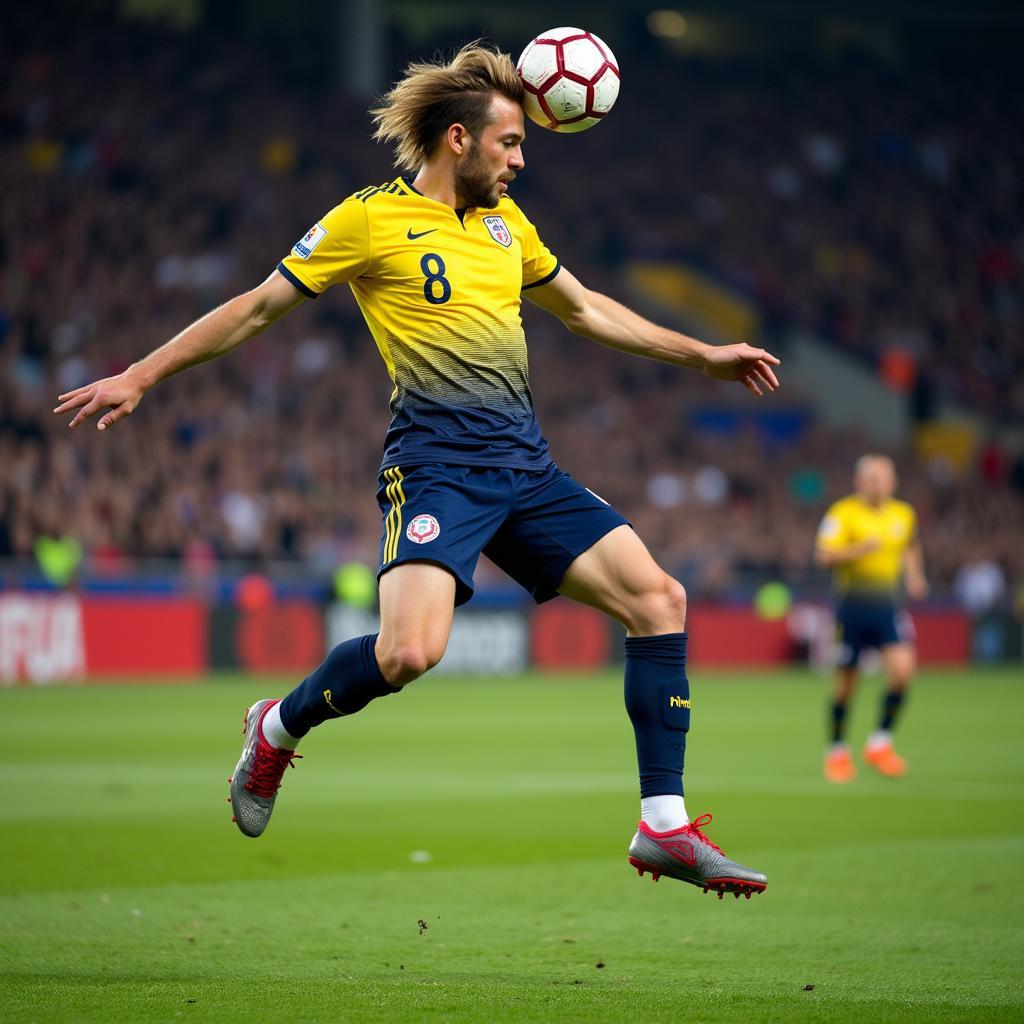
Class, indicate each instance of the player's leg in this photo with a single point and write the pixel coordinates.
(417, 601)
(618, 576)
(434, 522)
(839, 766)
(899, 660)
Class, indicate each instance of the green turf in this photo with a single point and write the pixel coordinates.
(127, 895)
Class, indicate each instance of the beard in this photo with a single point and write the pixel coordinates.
(474, 181)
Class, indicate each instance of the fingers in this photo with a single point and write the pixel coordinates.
(750, 384)
(761, 354)
(114, 415)
(767, 375)
(84, 389)
(84, 413)
(73, 400)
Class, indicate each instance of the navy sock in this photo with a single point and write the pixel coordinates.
(658, 703)
(344, 683)
(891, 704)
(838, 710)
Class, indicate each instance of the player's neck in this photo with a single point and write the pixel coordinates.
(437, 183)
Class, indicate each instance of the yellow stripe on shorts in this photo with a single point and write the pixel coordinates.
(393, 522)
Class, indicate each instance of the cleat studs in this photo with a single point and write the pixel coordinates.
(705, 890)
(655, 876)
(721, 895)
(233, 818)
(747, 894)
(736, 894)
(640, 872)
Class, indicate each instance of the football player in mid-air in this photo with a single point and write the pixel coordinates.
(869, 539)
(438, 259)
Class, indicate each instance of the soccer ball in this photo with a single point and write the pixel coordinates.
(571, 79)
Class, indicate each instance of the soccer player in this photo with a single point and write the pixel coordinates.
(438, 259)
(870, 541)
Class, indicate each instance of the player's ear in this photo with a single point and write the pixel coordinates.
(458, 138)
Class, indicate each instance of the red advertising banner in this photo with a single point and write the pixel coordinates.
(564, 635)
(41, 639)
(142, 637)
(56, 638)
(726, 635)
(285, 637)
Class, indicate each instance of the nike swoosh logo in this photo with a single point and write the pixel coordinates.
(412, 237)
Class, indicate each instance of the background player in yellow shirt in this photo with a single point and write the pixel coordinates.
(438, 259)
(869, 539)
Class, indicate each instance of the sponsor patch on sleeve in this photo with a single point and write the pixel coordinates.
(310, 240)
(829, 528)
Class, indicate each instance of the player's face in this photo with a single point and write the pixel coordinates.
(492, 160)
(876, 479)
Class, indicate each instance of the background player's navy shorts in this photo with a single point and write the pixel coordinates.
(530, 523)
(869, 621)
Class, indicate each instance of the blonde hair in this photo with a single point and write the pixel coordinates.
(430, 97)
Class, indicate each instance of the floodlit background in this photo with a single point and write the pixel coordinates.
(842, 182)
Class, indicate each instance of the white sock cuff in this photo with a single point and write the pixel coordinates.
(274, 731)
(663, 813)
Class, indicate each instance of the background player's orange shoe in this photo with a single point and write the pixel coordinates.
(839, 766)
(885, 760)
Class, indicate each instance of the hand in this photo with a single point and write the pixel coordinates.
(752, 367)
(120, 394)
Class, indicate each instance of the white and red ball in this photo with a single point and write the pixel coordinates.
(571, 79)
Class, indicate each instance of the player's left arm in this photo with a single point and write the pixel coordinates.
(604, 320)
(914, 578)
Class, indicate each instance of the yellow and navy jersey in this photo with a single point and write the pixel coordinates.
(852, 520)
(440, 292)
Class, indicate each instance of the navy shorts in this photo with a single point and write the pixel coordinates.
(869, 622)
(531, 523)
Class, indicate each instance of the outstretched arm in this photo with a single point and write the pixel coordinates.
(215, 334)
(604, 320)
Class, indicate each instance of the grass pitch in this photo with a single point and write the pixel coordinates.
(457, 853)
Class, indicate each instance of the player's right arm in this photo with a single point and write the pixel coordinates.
(215, 334)
(833, 545)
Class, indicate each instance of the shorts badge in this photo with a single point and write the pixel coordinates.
(501, 234)
(423, 529)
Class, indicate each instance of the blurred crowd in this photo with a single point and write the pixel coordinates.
(147, 177)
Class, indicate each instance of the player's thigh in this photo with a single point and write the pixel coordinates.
(417, 603)
(619, 576)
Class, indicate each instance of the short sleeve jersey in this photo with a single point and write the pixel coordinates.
(852, 520)
(440, 292)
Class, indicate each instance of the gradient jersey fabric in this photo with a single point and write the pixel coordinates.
(440, 292)
(852, 520)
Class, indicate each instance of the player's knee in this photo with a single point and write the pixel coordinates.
(662, 609)
(404, 662)
(674, 600)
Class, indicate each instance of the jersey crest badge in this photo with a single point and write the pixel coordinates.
(423, 529)
(309, 241)
(501, 234)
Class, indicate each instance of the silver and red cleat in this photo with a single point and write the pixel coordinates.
(257, 776)
(687, 854)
